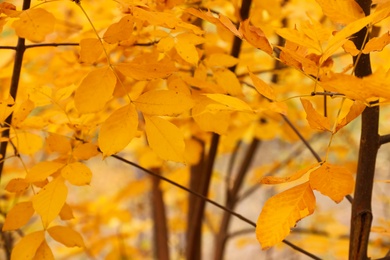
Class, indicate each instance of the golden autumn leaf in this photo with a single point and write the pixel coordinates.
(77, 173)
(300, 38)
(44, 252)
(17, 185)
(118, 130)
(58, 143)
(49, 201)
(229, 103)
(66, 236)
(27, 247)
(262, 87)
(18, 216)
(187, 51)
(377, 43)
(221, 59)
(95, 90)
(316, 121)
(27, 143)
(6, 108)
(341, 11)
(66, 212)
(355, 110)
(42, 170)
(164, 103)
(208, 120)
(119, 31)
(147, 71)
(228, 80)
(165, 139)
(255, 36)
(281, 212)
(34, 24)
(333, 181)
(90, 50)
(85, 151)
(22, 112)
(293, 177)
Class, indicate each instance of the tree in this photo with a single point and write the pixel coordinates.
(207, 103)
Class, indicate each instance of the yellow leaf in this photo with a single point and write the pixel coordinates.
(22, 112)
(58, 143)
(44, 252)
(281, 213)
(216, 121)
(228, 80)
(147, 71)
(66, 212)
(221, 59)
(34, 24)
(316, 121)
(85, 151)
(49, 201)
(255, 37)
(297, 37)
(166, 44)
(333, 181)
(164, 103)
(42, 170)
(228, 24)
(165, 139)
(90, 50)
(230, 103)
(66, 236)
(95, 90)
(17, 185)
(377, 43)
(18, 216)
(27, 247)
(119, 31)
(295, 176)
(341, 11)
(356, 109)
(350, 48)
(77, 173)
(6, 108)
(262, 87)
(187, 51)
(27, 143)
(118, 130)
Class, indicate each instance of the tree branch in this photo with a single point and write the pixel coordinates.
(384, 139)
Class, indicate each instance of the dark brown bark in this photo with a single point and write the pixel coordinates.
(160, 230)
(20, 48)
(361, 216)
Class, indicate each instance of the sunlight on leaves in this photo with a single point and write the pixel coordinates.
(316, 121)
(44, 252)
(18, 216)
(42, 170)
(27, 247)
(66, 236)
(77, 173)
(281, 213)
(297, 175)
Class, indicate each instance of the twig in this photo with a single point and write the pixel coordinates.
(384, 139)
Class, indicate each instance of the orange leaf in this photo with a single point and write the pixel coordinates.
(42, 170)
(229, 81)
(58, 143)
(377, 43)
(66, 212)
(27, 247)
(316, 121)
(147, 71)
(49, 201)
(281, 212)
(255, 37)
(44, 252)
(66, 236)
(34, 24)
(356, 109)
(164, 103)
(18, 216)
(28, 143)
(90, 50)
(95, 90)
(187, 51)
(17, 185)
(221, 59)
(165, 139)
(22, 112)
(295, 176)
(118, 130)
(333, 181)
(229, 103)
(119, 31)
(85, 151)
(77, 173)
(341, 11)
(262, 87)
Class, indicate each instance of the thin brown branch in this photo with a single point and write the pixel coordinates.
(253, 224)
(384, 139)
(51, 44)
